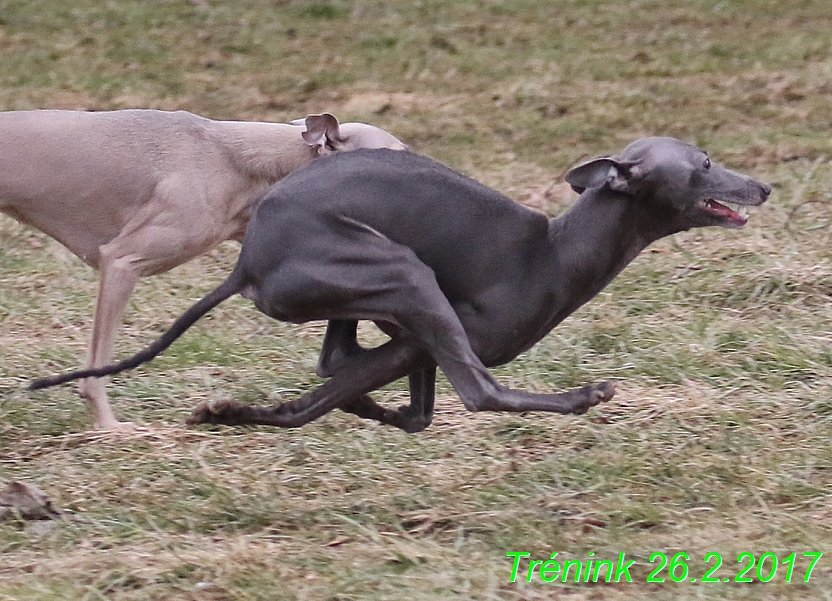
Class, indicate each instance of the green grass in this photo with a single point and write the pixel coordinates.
(718, 439)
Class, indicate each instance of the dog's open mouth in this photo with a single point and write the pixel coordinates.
(726, 214)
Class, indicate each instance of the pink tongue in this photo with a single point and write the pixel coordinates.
(723, 211)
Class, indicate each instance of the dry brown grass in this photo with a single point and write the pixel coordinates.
(718, 439)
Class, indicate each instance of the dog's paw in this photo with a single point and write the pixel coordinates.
(216, 412)
(115, 427)
(602, 392)
(592, 395)
(408, 420)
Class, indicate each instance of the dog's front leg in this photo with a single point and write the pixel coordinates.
(340, 344)
(118, 279)
(420, 308)
(411, 418)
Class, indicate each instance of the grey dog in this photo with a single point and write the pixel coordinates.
(455, 273)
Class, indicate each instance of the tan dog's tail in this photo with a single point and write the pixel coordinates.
(233, 284)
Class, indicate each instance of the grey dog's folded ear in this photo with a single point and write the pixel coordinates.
(618, 175)
(323, 133)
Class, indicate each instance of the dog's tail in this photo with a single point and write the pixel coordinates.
(233, 284)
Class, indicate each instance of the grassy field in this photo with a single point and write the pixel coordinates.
(718, 441)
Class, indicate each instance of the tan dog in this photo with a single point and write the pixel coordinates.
(138, 192)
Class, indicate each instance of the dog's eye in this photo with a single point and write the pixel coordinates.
(707, 163)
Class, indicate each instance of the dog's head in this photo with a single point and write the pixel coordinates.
(326, 135)
(676, 176)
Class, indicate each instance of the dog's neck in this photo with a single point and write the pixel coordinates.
(595, 240)
(265, 151)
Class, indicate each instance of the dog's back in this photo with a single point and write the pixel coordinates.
(410, 199)
(79, 176)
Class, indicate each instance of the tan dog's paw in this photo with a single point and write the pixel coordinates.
(115, 427)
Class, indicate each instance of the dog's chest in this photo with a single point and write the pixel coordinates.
(500, 330)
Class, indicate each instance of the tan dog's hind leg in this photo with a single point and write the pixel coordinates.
(118, 279)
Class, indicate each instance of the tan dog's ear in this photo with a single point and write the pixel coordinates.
(323, 133)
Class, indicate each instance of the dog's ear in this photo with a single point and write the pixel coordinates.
(323, 133)
(618, 175)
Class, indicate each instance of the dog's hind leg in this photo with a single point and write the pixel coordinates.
(347, 389)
